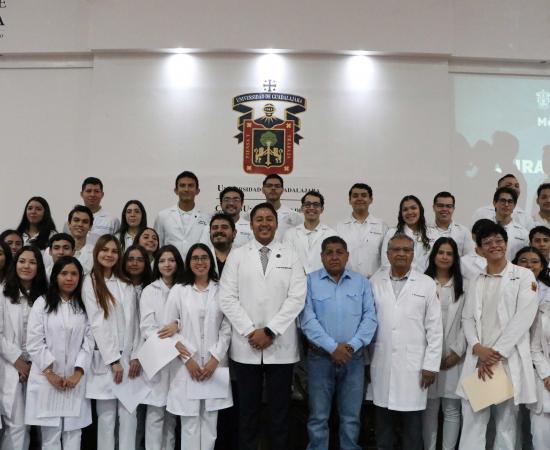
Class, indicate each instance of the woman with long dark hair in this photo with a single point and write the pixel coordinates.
(24, 283)
(13, 238)
(168, 271)
(136, 267)
(60, 346)
(203, 341)
(132, 220)
(6, 259)
(111, 306)
(444, 268)
(412, 222)
(36, 225)
(533, 259)
(148, 238)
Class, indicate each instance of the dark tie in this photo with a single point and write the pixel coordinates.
(264, 257)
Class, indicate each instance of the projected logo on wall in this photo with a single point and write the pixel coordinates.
(2, 21)
(268, 140)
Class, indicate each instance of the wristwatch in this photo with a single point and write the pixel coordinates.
(269, 333)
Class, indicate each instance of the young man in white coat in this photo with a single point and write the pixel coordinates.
(182, 225)
(307, 238)
(262, 291)
(231, 202)
(501, 304)
(363, 232)
(407, 348)
(104, 222)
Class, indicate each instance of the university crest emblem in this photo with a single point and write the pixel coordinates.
(268, 140)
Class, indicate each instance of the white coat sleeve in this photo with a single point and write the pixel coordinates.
(148, 322)
(134, 325)
(173, 313)
(9, 350)
(102, 329)
(468, 316)
(159, 228)
(294, 303)
(84, 357)
(229, 297)
(384, 250)
(521, 321)
(542, 365)
(220, 348)
(434, 332)
(458, 342)
(36, 336)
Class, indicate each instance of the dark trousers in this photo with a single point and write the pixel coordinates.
(250, 381)
(411, 426)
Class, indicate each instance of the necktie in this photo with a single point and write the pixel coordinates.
(264, 257)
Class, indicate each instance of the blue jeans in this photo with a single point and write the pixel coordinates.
(326, 379)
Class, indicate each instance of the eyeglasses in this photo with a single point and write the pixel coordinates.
(202, 258)
(231, 200)
(405, 250)
(312, 205)
(529, 261)
(132, 259)
(491, 241)
(506, 201)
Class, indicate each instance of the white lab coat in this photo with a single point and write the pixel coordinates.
(309, 254)
(459, 233)
(152, 306)
(488, 212)
(104, 223)
(100, 379)
(421, 254)
(11, 335)
(516, 312)
(472, 265)
(518, 237)
(86, 257)
(251, 299)
(183, 305)
(453, 341)
(409, 339)
(244, 232)
(127, 240)
(51, 341)
(364, 242)
(170, 229)
(540, 352)
(286, 218)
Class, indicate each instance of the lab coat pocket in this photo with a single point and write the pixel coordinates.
(415, 308)
(98, 365)
(415, 357)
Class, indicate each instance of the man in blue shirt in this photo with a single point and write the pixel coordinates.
(338, 320)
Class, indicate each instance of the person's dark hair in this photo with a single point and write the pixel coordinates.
(189, 276)
(138, 236)
(223, 216)
(490, 230)
(444, 194)
(333, 240)
(508, 175)
(479, 224)
(62, 237)
(82, 209)
(147, 275)
(232, 189)
(53, 297)
(187, 174)
(9, 231)
(454, 270)
(180, 267)
(8, 260)
(273, 176)
(542, 187)
(505, 190)
(363, 186)
(421, 221)
(124, 223)
(264, 205)
(539, 229)
(39, 284)
(544, 276)
(93, 181)
(314, 194)
(45, 227)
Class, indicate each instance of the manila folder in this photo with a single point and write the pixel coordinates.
(492, 391)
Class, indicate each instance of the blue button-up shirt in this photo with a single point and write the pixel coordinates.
(340, 312)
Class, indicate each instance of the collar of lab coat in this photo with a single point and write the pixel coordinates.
(370, 219)
(275, 253)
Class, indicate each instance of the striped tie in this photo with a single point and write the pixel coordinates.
(264, 257)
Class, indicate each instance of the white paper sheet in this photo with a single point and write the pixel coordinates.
(492, 391)
(217, 386)
(545, 401)
(155, 353)
(55, 403)
(131, 392)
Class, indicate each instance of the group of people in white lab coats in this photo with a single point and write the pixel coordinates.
(76, 307)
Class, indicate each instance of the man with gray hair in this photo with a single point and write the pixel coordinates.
(407, 348)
